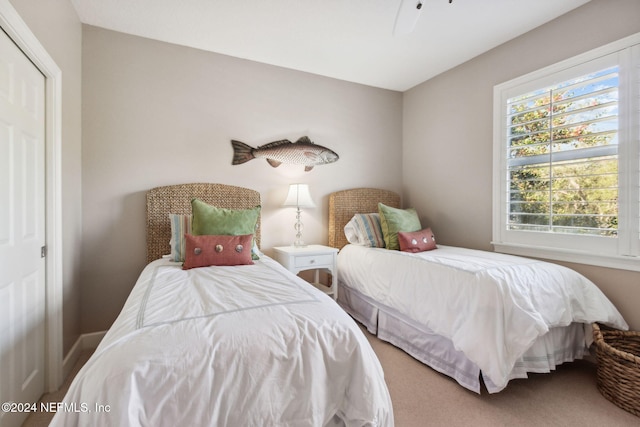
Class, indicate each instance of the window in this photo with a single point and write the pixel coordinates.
(567, 160)
(562, 157)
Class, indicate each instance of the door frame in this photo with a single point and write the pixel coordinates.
(19, 32)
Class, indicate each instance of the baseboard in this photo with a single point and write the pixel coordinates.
(84, 342)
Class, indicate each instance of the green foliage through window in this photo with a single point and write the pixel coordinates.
(562, 157)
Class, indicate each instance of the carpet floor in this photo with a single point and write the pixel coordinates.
(567, 397)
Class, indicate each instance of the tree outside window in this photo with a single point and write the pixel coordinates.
(562, 157)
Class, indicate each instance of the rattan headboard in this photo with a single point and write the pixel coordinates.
(161, 201)
(344, 204)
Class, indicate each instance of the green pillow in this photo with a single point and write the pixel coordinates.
(394, 220)
(212, 220)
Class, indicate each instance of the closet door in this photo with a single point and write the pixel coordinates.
(22, 231)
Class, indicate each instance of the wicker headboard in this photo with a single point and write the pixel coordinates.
(344, 204)
(161, 201)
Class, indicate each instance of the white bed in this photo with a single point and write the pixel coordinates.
(249, 345)
(473, 315)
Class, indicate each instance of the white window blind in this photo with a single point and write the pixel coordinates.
(562, 153)
(567, 159)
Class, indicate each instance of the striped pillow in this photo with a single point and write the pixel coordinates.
(180, 225)
(369, 230)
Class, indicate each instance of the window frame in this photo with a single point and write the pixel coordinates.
(622, 252)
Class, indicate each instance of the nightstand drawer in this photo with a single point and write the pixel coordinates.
(313, 260)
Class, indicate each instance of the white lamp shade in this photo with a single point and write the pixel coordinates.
(299, 196)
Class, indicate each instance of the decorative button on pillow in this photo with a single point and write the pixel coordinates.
(206, 250)
(417, 241)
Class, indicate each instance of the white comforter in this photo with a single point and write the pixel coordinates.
(491, 306)
(229, 346)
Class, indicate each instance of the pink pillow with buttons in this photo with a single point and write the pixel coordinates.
(417, 241)
(209, 249)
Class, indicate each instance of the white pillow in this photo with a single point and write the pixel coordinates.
(350, 232)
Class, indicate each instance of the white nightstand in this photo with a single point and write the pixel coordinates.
(311, 257)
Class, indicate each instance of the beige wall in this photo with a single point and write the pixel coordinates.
(158, 114)
(56, 25)
(448, 121)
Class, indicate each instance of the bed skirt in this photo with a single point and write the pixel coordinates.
(559, 345)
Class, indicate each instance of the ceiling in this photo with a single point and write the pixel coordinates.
(351, 40)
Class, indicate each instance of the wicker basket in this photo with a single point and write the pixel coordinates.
(618, 355)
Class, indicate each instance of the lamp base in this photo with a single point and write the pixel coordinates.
(299, 243)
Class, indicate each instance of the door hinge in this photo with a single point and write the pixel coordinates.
(43, 251)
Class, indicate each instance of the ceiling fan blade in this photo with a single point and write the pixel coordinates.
(407, 17)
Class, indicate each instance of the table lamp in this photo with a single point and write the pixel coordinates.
(300, 198)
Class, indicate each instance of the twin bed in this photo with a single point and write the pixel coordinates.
(253, 344)
(240, 345)
(475, 316)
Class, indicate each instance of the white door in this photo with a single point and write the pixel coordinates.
(22, 230)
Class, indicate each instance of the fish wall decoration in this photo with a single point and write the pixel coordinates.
(302, 152)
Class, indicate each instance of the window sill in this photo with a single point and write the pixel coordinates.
(619, 262)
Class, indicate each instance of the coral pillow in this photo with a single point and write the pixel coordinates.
(417, 241)
(206, 250)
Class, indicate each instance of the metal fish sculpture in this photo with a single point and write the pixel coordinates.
(302, 152)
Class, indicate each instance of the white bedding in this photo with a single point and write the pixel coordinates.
(229, 346)
(492, 307)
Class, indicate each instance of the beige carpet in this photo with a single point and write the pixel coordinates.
(567, 397)
(422, 397)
